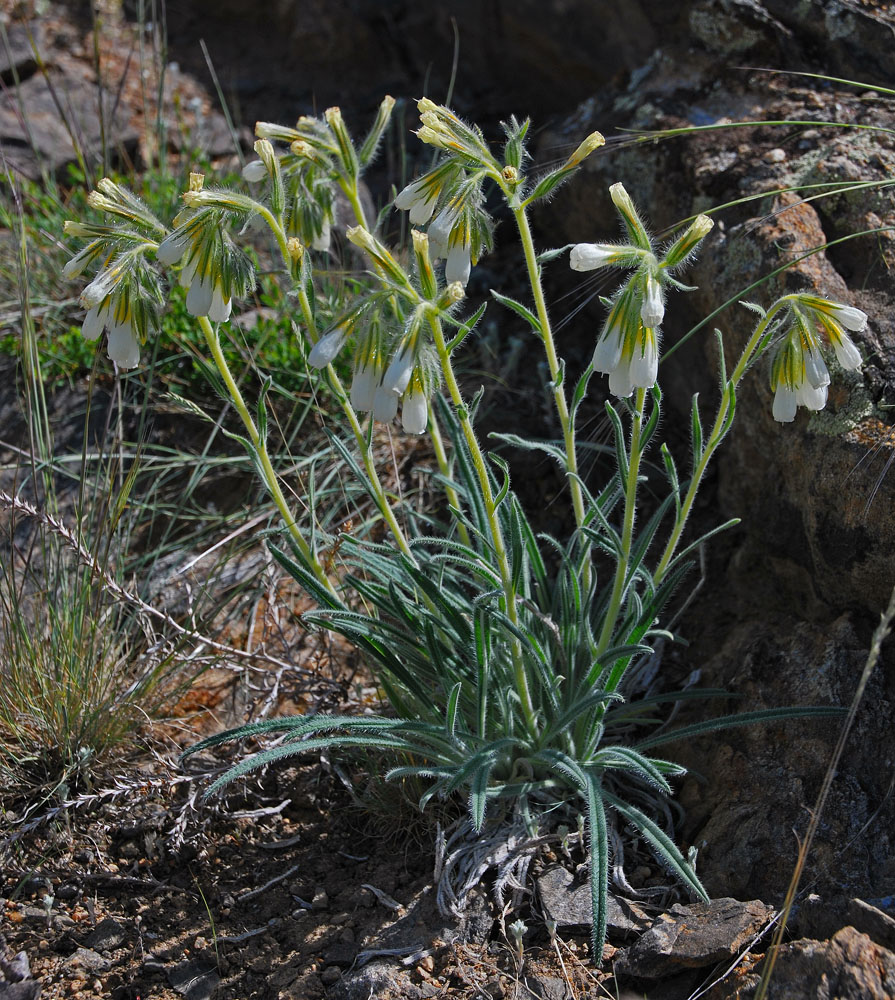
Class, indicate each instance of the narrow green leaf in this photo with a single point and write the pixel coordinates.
(599, 867)
(521, 310)
(742, 719)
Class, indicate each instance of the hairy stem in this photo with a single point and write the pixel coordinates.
(621, 569)
(559, 394)
(714, 439)
(264, 464)
(503, 562)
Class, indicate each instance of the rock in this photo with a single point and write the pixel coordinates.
(821, 918)
(374, 980)
(39, 118)
(17, 51)
(107, 936)
(30, 989)
(331, 974)
(798, 585)
(571, 907)
(340, 953)
(195, 979)
(693, 936)
(849, 967)
(547, 988)
(86, 958)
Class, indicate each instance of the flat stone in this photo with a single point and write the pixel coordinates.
(570, 906)
(694, 936)
(848, 967)
(39, 118)
(821, 918)
(195, 980)
(17, 51)
(86, 958)
(106, 936)
(547, 987)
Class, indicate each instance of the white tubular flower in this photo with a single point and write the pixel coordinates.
(440, 232)
(385, 405)
(363, 388)
(608, 351)
(830, 318)
(94, 321)
(792, 369)
(620, 383)
(206, 298)
(81, 259)
(644, 363)
(255, 171)
(652, 312)
(785, 403)
(123, 347)
(100, 288)
(846, 353)
(173, 247)
(850, 317)
(419, 201)
(323, 239)
(590, 256)
(327, 347)
(811, 397)
(458, 265)
(397, 375)
(816, 371)
(415, 409)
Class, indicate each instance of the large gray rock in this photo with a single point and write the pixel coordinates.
(52, 119)
(692, 937)
(849, 967)
(569, 905)
(794, 591)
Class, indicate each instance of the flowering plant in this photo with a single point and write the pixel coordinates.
(510, 659)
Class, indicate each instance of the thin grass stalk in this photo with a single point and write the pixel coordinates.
(876, 643)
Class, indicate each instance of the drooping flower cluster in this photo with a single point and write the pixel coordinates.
(628, 346)
(321, 158)
(799, 374)
(462, 227)
(125, 295)
(389, 365)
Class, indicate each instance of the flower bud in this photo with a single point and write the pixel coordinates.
(590, 256)
(682, 248)
(592, 142)
(636, 229)
(295, 248)
(652, 312)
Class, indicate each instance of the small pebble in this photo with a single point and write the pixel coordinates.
(331, 974)
(775, 155)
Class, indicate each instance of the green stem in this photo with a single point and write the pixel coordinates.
(382, 502)
(714, 439)
(621, 569)
(260, 446)
(444, 467)
(503, 562)
(360, 438)
(559, 395)
(353, 196)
